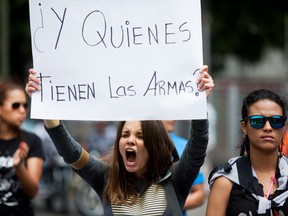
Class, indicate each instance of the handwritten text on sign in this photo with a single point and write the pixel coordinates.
(112, 60)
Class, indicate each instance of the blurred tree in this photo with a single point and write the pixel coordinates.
(245, 27)
(4, 39)
(20, 44)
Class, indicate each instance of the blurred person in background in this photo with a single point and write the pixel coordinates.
(254, 183)
(21, 154)
(196, 196)
(101, 138)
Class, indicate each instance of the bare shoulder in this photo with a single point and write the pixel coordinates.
(221, 188)
(222, 183)
(219, 197)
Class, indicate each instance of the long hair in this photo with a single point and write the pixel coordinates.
(122, 184)
(252, 98)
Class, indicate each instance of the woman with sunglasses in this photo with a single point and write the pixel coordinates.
(255, 183)
(21, 154)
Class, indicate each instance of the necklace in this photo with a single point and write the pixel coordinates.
(273, 182)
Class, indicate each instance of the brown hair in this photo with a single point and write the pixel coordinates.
(8, 86)
(122, 184)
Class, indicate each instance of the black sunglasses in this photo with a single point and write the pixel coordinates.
(17, 105)
(258, 121)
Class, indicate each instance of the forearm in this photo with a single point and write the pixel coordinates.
(66, 146)
(197, 144)
(186, 170)
(196, 197)
(29, 178)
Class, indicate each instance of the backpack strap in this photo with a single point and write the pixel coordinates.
(246, 178)
(225, 167)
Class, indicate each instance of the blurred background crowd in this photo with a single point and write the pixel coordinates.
(245, 44)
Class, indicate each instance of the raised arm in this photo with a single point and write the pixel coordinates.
(66, 146)
(191, 160)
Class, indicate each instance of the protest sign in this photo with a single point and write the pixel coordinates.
(117, 60)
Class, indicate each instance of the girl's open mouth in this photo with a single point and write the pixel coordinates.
(130, 155)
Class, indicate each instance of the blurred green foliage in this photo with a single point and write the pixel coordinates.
(245, 27)
(20, 44)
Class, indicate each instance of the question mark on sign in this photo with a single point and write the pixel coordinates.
(197, 93)
(37, 31)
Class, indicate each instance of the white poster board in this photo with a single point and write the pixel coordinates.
(117, 60)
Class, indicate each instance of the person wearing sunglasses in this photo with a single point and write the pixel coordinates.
(21, 154)
(256, 182)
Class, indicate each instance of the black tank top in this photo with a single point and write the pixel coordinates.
(243, 203)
